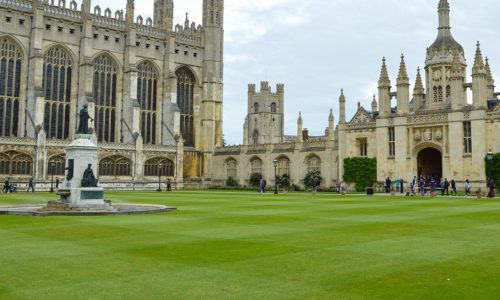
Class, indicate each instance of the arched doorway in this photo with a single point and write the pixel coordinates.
(430, 163)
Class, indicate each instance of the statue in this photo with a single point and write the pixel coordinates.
(70, 167)
(89, 179)
(83, 126)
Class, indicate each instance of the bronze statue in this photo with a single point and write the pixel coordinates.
(83, 126)
(89, 179)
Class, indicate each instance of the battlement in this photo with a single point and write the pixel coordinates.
(265, 87)
(251, 88)
(189, 33)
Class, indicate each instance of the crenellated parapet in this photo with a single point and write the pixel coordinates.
(106, 19)
(189, 33)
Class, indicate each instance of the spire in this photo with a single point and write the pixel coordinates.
(478, 61)
(418, 82)
(443, 4)
(488, 70)
(330, 117)
(384, 80)
(456, 68)
(403, 75)
(374, 104)
(342, 97)
(299, 120)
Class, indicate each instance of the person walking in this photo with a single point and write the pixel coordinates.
(6, 185)
(31, 185)
(397, 185)
(446, 187)
(388, 185)
(57, 183)
(261, 186)
(467, 187)
(169, 185)
(441, 185)
(433, 186)
(453, 187)
(490, 188)
(422, 185)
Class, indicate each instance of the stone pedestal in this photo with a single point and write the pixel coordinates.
(81, 153)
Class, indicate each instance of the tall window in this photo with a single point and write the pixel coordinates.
(105, 78)
(10, 80)
(147, 95)
(185, 101)
(435, 89)
(273, 107)
(57, 76)
(255, 137)
(59, 165)
(313, 164)
(467, 137)
(256, 108)
(256, 166)
(283, 166)
(152, 166)
(15, 163)
(392, 142)
(448, 92)
(363, 147)
(231, 169)
(114, 166)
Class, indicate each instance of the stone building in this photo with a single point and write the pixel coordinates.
(155, 90)
(433, 132)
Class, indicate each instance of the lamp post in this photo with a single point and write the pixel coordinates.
(489, 156)
(52, 165)
(275, 177)
(159, 177)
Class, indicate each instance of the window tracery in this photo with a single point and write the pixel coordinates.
(147, 95)
(15, 163)
(114, 166)
(231, 169)
(104, 89)
(313, 164)
(10, 80)
(256, 166)
(152, 166)
(185, 100)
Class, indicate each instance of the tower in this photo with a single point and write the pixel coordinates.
(164, 14)
(342, 107)
(439, 61)
(211, 110)
(265, 116)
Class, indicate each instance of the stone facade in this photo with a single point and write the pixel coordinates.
(154, 90)
(434, 133)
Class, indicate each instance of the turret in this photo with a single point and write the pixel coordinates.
(330, 125)
(457, 79)
(491, 82)
(479, 81)
(342, 107)
(164, 14)
(129, 13)
(403, 88)
(384, 90)
(418, 92)
(374, 104)
(299, 128)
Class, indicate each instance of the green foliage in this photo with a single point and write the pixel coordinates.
(495, 168)
(283, 181)
(360, 170)
(255, 179)
(231, 182)
(313, 179)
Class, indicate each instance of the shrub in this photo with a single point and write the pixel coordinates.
(231, 182)
(255, 179)
(313, 179)
(360, 170)
(295, 188)
(283, 181)
(495, 168)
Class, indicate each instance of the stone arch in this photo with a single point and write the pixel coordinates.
(190, 69)
(231, 167)
(59, 166)
(312, 162)
(186, 89)
(64, 47)
(255, 137)
(115, 165)
(421, 146)
(14, 40)
(430, 163)
(152, 167)
(256, 165)
(284, 164)
(16, 163)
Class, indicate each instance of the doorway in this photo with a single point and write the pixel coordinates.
(430, 164)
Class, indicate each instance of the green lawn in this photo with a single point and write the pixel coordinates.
(252, 246)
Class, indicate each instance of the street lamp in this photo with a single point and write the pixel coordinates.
(489, 156)
(159, 177)
(52, 165)
(275, 177)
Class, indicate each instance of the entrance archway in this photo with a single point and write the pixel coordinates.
(430, 164)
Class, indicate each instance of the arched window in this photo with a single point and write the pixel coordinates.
(313, 164)
(255, 137)
(152, 166)
(147, 95)
(231, 168)
(114, 166)
(440, 94)
(59, 166)
(283, 166)
(256, 108)
(10, 80)
(448, 92)
(15, 163)
(273, 107)
(256, 166)
(185, 101)
(435, 89)
(105, 80)
(57, 76)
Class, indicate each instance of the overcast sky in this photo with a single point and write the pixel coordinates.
(317, 47)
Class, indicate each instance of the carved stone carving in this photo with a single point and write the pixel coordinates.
(430, 118)
(417, 137)
(439, 135)
(427, 135)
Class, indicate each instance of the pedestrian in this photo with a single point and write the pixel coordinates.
(387, 185)
(31, 185)
(397, 185)
(57, 183)
(453, 187)
(433, 186)
(6, 185)
(446, 187)
(467, 187)
(490, 188)
(422, 186)
(342, 188)
(264, 187)
(169, 185)
(261, 186)
(441, 185)
(338, 187)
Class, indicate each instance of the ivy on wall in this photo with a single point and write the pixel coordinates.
(360, 170)
(495, 168)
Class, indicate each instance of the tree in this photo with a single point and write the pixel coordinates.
(495, 168)
(255, 179)
(283, 181)
(360, 170)
(313, 179)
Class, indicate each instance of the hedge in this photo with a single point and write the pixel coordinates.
(360, 170)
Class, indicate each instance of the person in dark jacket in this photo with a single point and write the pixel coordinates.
(31, 185)
(387, 185)
(453, 187)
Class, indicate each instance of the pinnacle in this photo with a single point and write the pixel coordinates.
(456, 68)
(488, 69)
(403, 75)
(418, 82)
(384, 75)
(342, 97)
(443, 4)
(478, 61)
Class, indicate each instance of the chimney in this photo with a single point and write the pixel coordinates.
(305, 135)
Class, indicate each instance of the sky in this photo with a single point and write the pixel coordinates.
(318, 47)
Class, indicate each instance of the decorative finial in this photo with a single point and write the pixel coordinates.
(342, 97)
(478, 61)
(403, 75)
(419, 87)
(443, 4)
(488, 69)
(384, 80)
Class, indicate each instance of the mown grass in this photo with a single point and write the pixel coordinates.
(253, 246)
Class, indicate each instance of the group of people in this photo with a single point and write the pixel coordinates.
(9, 187)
